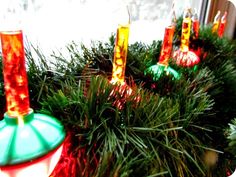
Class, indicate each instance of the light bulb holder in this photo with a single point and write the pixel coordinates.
(159, 70)
(186, 58)
(29, 137)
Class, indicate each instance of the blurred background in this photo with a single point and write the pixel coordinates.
(51, 24)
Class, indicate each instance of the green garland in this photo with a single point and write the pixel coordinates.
(166, 127)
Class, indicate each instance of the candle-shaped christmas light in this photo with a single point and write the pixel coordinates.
(119, 65)
(216, 22)
(15, 78)
(185, 34)
(166, 48)
(222, 25)
(184, 56)
(120, 54)
(163, 64)
(196, 25)
(26, 148)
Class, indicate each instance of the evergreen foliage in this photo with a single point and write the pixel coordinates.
(231, 133)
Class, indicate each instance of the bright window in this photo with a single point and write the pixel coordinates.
(54, 23)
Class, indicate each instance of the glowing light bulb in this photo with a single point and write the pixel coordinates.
(196, 25)
(119, 62)
(166, 48)
(184, 56)
(185, 34)
(216, 22)
(25, 149)
(222, 25)
(121, 47)
(15, 78)
(167, 45)
(120, 54)
(162, 66)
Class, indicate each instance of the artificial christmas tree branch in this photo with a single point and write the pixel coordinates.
(165, 127)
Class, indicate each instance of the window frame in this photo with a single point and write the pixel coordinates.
(210, 9)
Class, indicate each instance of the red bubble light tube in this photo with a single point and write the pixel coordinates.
(196, 26)
(222, 25)
(184, 57)
(14, 71)
(26, 148)
(162, 65)
(166, 48)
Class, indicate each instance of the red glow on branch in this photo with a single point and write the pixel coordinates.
(120, 93)
(75, 161)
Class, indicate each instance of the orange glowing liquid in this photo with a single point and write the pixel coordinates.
(167, 45)
(195, 28)
(216, 22)
(186, 25)
(14, 72)
(215, 27)
(120, 54)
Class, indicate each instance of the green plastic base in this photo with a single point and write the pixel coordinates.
(159, 70)
(32, 137)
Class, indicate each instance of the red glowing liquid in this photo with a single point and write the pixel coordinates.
(196, 28)
(14, 72)
(221, 29)
(167, 45)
